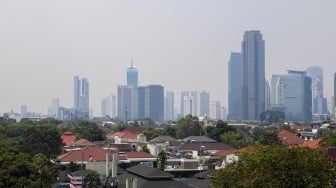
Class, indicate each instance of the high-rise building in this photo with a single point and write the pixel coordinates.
(154, 102)
(190, 105)
(81, 97)
(319, 103)
(108, 106)
(298, 96)
(267, 95)
(235, 86)
(335, 88)
(53, 110)
(183, 94)
(204, 103)
(216, 110)
(24, 109)
(253, 76)
(169, 105)
(278, 89)
(128, 105)
(132, 75)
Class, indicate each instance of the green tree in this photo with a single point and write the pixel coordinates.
(188, 126)
(277, 166)
(272, 116)
(220, 128)
(161, 160)
(88, 130)
(92, 180)
(329, 139)
(170, 131)
(269, 138)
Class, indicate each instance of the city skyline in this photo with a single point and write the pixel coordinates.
(180, 45)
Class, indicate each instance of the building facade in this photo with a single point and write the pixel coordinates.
(128, 105)
(253, 76)
(235, 86)
(169, 106)
(319, 103)
(81, 97)
(204, 103)
(132, 75)
(298, 96)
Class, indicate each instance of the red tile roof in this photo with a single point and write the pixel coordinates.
(223, 153)
(138, 154)
(312, 143)
(287, 138)
(83, 142)
(68, 138)
(97, 154)
(124, 134)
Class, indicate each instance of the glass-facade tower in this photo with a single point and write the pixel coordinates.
(235, 86)
(253, 75)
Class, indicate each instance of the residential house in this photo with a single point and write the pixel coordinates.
(289, 139)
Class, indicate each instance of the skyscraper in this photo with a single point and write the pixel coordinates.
(298, 96)
(235, 86)
(204, 103)
(335, 89)
(81, 97)
(216, 110)
(128, 105)
(169, 105)
(319, 103)
(154, 102)
(183, 94)
(108, 106)
(253, 77)
(278, 89)
(132, 75)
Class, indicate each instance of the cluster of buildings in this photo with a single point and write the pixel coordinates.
(299, 94)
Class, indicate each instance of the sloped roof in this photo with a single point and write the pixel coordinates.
(135, 130)
(287, 138)
(198, 139)
(163, 139)
(68, 138)
(312, 143)
(97, 154)
(138, 154)
(149, 172)
(124, 134)
(208, 146)
(83, 142)
(223, 153)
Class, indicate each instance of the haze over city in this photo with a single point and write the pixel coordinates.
(182, 45)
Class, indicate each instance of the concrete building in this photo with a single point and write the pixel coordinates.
(128, 105)
(235, 86)
(132, 75)
(253, 77)
(204, 103)
(298, 96)
(81, 97)
(151, 102)
(169, 106)
(319, 103)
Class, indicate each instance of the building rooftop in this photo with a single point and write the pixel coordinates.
(287, 138)
(198, 139)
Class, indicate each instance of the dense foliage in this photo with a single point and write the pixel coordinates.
(221, 127)
(188, 126)
(277, 166)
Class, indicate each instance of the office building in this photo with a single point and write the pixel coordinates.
(267, 95)
(128, 105)
(24, 109)
(319, 103)
(81, 97)
(277, 89)
(182, 109)
(204, 104)
(298, 96)
(132, 75)
(253, 76)
(153, 100)
(235, 86)
(169, 106)
(108, 106)
(53, 110)
(216, 110)
(190, 105)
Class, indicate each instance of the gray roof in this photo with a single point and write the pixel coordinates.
(208, 146)
(149, 172)
(198, 139)
(163, 139)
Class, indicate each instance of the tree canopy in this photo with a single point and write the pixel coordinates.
(188, 126)
(277, 166)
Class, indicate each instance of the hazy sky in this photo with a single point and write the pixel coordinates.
(181, 44)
